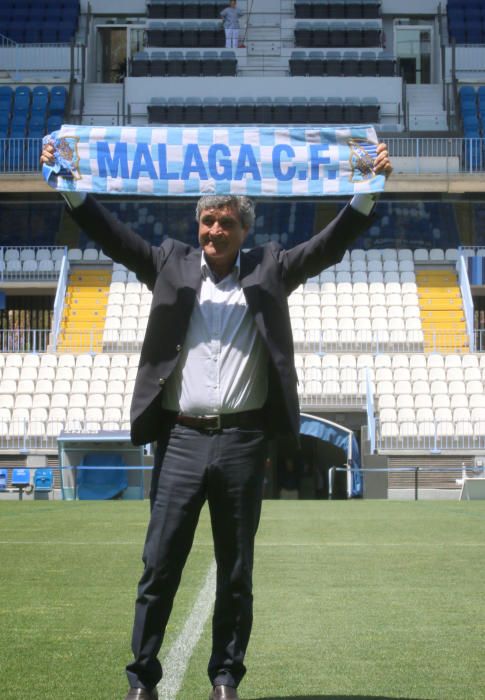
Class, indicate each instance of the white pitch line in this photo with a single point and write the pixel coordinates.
(177, 659)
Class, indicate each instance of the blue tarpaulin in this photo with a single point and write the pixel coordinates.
(341, 437)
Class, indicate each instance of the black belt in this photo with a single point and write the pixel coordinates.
(247, 420)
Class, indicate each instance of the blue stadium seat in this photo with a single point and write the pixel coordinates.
(18, 126)
(6, 96)
(281, 110)
(336, 9)
(21, 103)
(263, 110)
(40, 99)
(317, 110)
(319, 9)
(210, 106)
(190, 34)
(156, 9)
(228, 63)
(352, 112)
(303, 9)
(193, 110)
(3, 472)
(175, 63)
(158, 63)
(299, 110)
(102, 484)
(210, 63)
(350, 63)
(58, 100)
(316, 63)
(333, 63)
(48, 35)
(246, 110)
(4, 123)
(298, 63)
(140, 65)
(43, 480)
(20, 478)
(54, 123)
(192, 63)
(32, 35)
(175, 111)
(335, 110)
(157, 110)
(368, 63)
(190, 9)
(370, 110)
(228, 110)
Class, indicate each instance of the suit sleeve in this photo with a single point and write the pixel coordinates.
(118, 241)
(324, 249)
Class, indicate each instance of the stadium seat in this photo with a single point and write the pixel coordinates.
(43, 480)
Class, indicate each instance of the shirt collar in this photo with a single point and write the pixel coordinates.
(207, 272)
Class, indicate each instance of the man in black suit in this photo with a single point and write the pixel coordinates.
(216, 377)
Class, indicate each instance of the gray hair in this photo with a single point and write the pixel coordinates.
(244, 206)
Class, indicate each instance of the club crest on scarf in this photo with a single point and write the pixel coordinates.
(361, 159)
(67, 157)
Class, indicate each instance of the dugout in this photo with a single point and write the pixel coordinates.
(104, 465)
(324, 444)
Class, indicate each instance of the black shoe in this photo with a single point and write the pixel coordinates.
(224, 692)
(142, 694)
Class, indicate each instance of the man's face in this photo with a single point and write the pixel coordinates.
(221, 235)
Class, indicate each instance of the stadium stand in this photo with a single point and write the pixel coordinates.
(384, 335)
(42, 22)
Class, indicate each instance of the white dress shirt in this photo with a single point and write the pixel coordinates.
(223, 365)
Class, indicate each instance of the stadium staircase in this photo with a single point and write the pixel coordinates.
(442, 314)
(84, 311)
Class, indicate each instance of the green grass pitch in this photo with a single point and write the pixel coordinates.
(360, 599)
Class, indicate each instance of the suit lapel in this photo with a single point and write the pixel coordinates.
(251, 289)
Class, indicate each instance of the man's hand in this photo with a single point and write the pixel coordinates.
(47, 155)
(382, 164)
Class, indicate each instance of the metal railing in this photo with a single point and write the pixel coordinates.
(375, 342)
(22, 435)
(25, 340)
(463, 155)
(20, 155)
(452, 155)
(60, 297)
(130, 341)
(51, 58)
(466, 295)
(326, 402)
(430, 437)
(414, 473)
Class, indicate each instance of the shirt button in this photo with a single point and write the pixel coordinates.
(178, 348)
(161, 381)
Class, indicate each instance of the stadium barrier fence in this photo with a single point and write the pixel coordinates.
(13, 340)
(451, 477)
(466, 295)
(449, 155)
(434, 437)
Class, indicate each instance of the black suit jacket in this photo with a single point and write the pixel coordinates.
(172, 272)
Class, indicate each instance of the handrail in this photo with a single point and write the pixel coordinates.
(371, 419)
(380, 470)
(467, 299)
(59, 298)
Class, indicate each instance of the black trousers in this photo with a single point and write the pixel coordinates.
(226, 468)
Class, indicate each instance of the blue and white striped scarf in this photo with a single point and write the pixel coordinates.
(192, 161)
